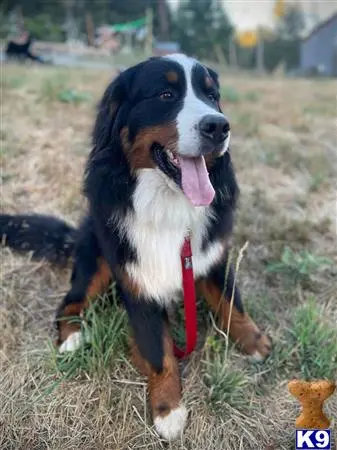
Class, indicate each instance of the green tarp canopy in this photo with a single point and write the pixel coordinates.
(129, 26)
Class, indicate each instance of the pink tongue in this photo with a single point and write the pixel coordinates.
(195, 181)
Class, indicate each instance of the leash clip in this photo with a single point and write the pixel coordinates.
(188, 262)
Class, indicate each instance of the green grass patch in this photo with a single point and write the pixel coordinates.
(306, 348)
(178, 326)
(51, 86)
(73, 96)
(252, 96)
(269, 157)
(104, 331)
(261, 308)
(295, 231)
(321, 109)
(230, 94)
(314, 341)
(13, 82)
(226, 386)
(54, 88)
(316, 181)
(298, 266)
(245, 123)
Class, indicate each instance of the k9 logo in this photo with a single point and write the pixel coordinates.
(313, 439)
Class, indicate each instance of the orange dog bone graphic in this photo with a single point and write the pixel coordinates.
(311, 395)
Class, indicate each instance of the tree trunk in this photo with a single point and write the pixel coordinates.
(90, 29)
(70, 24)
(163, 20)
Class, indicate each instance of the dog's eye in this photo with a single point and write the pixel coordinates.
(212, 97)
(167, 95)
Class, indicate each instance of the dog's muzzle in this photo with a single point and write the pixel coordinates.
(214, 131)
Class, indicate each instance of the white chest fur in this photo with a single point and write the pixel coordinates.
(157, 228)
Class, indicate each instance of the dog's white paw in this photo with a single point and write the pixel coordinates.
(257, 357)
(171, 426)
(72, 343)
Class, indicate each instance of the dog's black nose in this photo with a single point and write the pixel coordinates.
(214, 128)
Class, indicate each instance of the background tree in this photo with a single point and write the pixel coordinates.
(162, 19)
(286, 45)
(71, 14)
(292, 23)
(203, 29)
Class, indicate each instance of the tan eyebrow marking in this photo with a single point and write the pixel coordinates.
(209, 81)
(172, 76)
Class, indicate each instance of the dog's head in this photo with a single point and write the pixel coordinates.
(166, 114)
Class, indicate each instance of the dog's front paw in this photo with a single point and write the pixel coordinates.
(72, 343)
(262, 347)
(171, 425)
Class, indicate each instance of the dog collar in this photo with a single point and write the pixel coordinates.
(189, 300)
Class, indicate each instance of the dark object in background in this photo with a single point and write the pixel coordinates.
(20, 49)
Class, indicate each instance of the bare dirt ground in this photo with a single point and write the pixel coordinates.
(284, 150)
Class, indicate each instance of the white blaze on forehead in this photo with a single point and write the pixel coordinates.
(192, 112)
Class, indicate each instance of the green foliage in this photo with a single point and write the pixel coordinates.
(316, 181)
(55, 88)
(230, 94)
(45, 19)
(42, 27)
(269, 157)
(282, 50)
(326, 108)
(298, 266)
(281, 47)
(278, 365)
(203, 29)
(13, 82)
(252, 96)
(306, 348)
(104, 332)
(285, 47)
(51, 86)
(214, 344)
(73, 96)
(245, 122)
(4, 25)
(226, 385)
(314, 342)
(292, 24)
(178, 328)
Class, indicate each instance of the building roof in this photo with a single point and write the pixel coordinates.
(321, 25)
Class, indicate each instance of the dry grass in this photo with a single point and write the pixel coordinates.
(285, 154)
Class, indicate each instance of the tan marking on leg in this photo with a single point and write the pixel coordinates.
(126, 281)
(242, 328)
(169, 414)
(100, 281)
(98, 284)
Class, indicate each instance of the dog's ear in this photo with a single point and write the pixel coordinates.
(214, 76)
(113, 98)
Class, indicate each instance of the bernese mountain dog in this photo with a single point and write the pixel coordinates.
(160, 170)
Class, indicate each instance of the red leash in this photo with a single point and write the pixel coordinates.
(189, 301)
